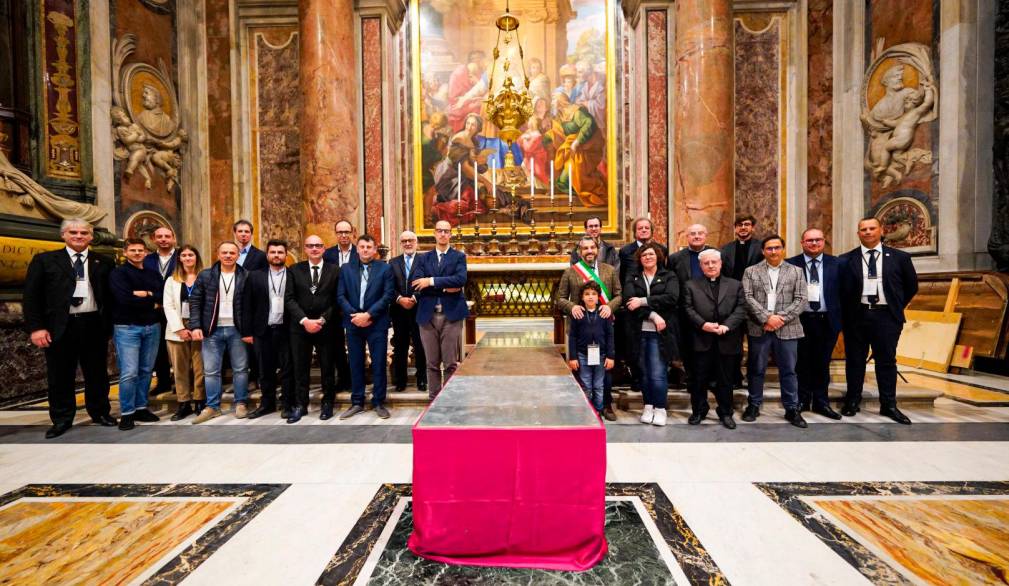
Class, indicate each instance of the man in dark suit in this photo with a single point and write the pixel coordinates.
(364, 293)
(403, 312)
(821, 322)
(310, 300)
(642, 236)
(627, 262)
(686, 264)
(439, 280)
(163, 261)
(344, 252)
(250, 258)
(744, 251)
(607, 253)
(66, 304)
(877, 283)
(266, 321)
(715, 307)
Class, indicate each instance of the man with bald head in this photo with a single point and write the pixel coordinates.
(310, 301)
(405, 329)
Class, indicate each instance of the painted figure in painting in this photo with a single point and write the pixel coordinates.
(577, 142)
(467, 88)
(451, 198)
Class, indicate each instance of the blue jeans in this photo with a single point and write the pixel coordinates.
(785, 352)
(654, 371)
(136, 351)
(377, 341)
(225, 339)
(592, 378)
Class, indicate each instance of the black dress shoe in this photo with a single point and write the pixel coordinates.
(104, 420)
(126, 423)
(751, 413)
(326, 412)
(849, 410)
(199, 406)
(728, 421)
(895, 414)
(697, 418)
(422, 387)
(827, 412)
(795, 418)
(400, 388)
(804, 407)
(57, 430)
(296, 414)
(145, 416)
(285, 411)
(184, 410)
(263, 409)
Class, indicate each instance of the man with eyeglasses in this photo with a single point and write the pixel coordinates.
(441, 307)
(343, 253)
(775, 294)
(744, 251)
(821, 322)
(405, 330)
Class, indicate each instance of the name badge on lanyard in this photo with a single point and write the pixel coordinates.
(772, 300)
(81, 288)
(870, 286)
(813, 290)
(592, 356)
(276, 305)
(185, 310)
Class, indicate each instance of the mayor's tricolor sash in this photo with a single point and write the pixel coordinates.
(587, 274)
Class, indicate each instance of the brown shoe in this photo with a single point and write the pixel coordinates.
(241, 411)
(609, 415)
(206, 415)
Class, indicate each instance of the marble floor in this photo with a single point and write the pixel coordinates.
(239, 502)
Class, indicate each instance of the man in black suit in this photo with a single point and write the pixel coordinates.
(310, 300)
(162, 260)
(266, 320)
(607, 253)
(66, 308)
(715, 307)
(628, 264)
(344, 252)
(821, 322)
(744, 251)
(250, 258)
(405, 329)
(877, 283)
(642, 236)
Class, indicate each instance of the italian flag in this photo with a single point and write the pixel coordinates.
(588, 274)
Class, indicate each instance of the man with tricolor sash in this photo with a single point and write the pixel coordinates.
(590, 269)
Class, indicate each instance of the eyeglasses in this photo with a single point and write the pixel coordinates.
(408, 241)
(442, 231)
(315, 246)
(773, 248)
(343, 232)
(813, 240)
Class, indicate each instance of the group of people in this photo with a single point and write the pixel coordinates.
(248, 308)
(650, 309)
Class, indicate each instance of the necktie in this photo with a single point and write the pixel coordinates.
(364, 284)
(874, 298)
(409, 263)
(814, 277)
(79, 274)
(439, 258)
(315, 278)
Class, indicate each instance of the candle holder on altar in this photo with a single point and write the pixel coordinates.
(493, 245)
(476, 247)
(570, 245)
(552, 246)
(513, 248)
(383, 251)
(533, 245)
(459, 244)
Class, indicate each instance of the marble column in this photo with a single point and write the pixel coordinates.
(704, 143)
(330, 175)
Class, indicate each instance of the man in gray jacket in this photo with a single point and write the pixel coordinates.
(775, 294)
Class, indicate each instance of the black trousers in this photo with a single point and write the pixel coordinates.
(340, 360)
(162, 365)
(622, 336)
(687, 352)
(711, 365)
(302, 344)
(274, 354)
(812, 366)
(406, 331)
(879, 330)
(84, 342)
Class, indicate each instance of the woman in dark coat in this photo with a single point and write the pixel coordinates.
(651, 295)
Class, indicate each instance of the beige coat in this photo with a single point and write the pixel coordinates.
(571, 282)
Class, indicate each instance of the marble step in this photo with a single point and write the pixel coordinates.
(410, 397)
(679, 399)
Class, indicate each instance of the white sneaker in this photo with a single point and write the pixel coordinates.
(660, 417)
(647, 414)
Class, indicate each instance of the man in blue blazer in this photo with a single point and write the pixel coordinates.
(364, 294)
(877, 283)
(162, 260)
(821, 322)
(439, 279)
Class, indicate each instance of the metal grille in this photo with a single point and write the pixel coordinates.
(512, 294)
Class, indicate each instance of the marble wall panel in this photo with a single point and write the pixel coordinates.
(219, 119)
(276, 102)
(820, 121)
(657, 41)
(758, 102)
(372, 49)
(155, 30)
(998, 243)
(889, 23)
(23, 368)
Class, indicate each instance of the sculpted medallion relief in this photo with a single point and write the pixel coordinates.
(900, 93)
(145, 117)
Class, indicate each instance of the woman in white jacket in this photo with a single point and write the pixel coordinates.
(183, 350)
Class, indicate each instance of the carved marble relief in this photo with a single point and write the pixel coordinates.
(145, 118)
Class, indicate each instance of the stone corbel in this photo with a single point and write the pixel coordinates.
(394, 11)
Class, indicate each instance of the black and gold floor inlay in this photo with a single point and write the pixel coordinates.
(908, 532)
(120, 533)
(634, 557)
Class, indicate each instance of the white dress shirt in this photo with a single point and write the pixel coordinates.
(89, 304)
(808, 261)
(879, 272)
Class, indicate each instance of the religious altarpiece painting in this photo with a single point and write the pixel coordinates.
(459, 156)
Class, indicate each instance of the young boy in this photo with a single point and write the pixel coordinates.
(590, 345)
